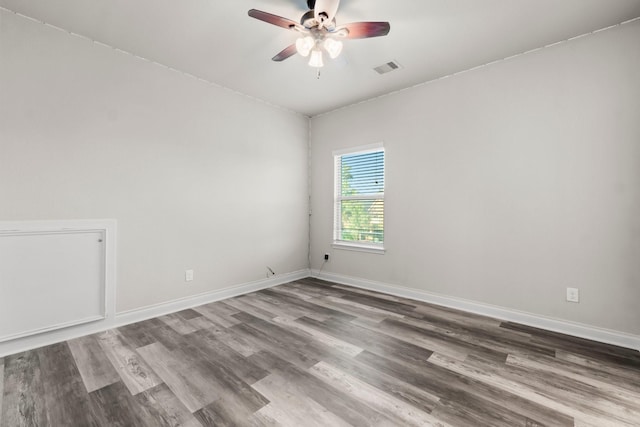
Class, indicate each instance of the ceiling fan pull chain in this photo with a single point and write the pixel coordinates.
(318, 76)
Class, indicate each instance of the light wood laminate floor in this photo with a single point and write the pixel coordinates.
(312, 353)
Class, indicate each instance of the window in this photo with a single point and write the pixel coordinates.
(359, 199)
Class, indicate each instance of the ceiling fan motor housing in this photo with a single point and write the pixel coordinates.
(308, 20)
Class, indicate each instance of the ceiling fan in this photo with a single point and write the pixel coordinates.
(318, 31)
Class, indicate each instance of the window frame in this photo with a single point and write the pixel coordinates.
(355, 245)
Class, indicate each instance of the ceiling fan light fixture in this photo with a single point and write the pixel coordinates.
(304, 45)
(317, 31)
(333, 47)
(316, 59)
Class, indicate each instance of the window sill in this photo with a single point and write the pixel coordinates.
(359, 247)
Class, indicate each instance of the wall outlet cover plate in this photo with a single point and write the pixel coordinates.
(573, 295)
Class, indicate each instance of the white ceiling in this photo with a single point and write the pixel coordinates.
(217, 41)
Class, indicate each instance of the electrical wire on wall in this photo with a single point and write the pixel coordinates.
(322, 266)
(270, 272)
(309, 191)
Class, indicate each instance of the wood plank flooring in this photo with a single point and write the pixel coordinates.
(313, 353)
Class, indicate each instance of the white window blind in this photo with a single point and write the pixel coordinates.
(359, 198)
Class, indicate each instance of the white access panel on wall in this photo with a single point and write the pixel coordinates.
(50, 279)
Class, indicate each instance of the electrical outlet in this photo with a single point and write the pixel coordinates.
(326, 257)
(188, 275)
(573, 295)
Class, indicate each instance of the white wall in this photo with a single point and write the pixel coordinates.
(196, 176)
(506, 184)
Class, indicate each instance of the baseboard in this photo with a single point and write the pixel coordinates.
(556, 325)
(139, 314)
(144, 313)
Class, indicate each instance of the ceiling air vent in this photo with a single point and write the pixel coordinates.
(387, 68)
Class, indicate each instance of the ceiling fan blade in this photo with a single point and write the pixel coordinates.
(273, 19)
(285, 53)
(363, 30)
(325, 10)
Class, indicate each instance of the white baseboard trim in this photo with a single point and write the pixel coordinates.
(144, 313)
(551, 324)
